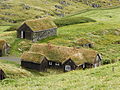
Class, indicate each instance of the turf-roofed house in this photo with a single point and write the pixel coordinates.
(37, 29)
(35, 61)
(4, 48)
(67, 58)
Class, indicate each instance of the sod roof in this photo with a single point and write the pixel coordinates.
(83, 41)
(32, 57)
(2, 43)
(61, 53)
(40, 24)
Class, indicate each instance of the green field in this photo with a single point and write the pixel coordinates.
(102, 78)
(100, 26)
(15, 11)
(104, 32)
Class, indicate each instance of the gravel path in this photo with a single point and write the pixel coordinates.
(10, 58)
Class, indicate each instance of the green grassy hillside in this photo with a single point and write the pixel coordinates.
(104, 33)
(16, 11)
(102, 78)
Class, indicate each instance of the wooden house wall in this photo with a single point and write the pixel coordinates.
(98, 60)
(55, 65)
(34, 66)
(69, 63)
(5, 50)
(85, 65)
(28, 32)
(2, 75)
(1, 53)
(44, 34)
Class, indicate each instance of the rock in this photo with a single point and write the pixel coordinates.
(58, 6)
(117, 32)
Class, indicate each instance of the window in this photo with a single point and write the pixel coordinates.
(67, 68)
(57, 64)
(50, 63)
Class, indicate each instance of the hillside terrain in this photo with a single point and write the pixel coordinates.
(16, 11)
(106, 78)
(94, 21)
(104, 32)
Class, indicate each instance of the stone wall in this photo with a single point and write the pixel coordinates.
(44, 34)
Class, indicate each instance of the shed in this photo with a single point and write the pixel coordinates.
(37, 29)
(67, 58)
(2, 74)
(4, 48)
(85, 43)
(35, 61)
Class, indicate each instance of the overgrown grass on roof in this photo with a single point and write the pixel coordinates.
(41, 24)
(13, 71)
(72, 20)
(62, 53)
(32, 57)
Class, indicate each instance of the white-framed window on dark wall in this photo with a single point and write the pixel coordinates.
(57, 64)
(68, 68)
(50, 63)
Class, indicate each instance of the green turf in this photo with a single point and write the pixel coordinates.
(72, 20)
(101, 78)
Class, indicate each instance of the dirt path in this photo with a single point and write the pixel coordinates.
(10, 58)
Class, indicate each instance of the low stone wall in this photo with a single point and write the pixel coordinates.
(44, 34)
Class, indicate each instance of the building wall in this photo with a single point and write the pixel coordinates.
(34, 66)
(5, 50)
(69, 65)
(2, 74)
(44, 34)
(55, 65)
(1, 53)
(28, 32)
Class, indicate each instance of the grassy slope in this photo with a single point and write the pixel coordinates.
(14, 9)
(20, 10)
(103, 32)
(101, 78)
(13, 70)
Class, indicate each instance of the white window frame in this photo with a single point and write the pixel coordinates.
(68, 68)
(50, 63)
(57, 64)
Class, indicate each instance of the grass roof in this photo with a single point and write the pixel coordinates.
(32, 57)
(2, 42)
(40, 24)
(61, 53)
(82, 41)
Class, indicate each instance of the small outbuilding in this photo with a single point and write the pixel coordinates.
(35, 61)
(4, 48)
(67, 58)
(37, 29)
(85, 43)
(2, 74)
